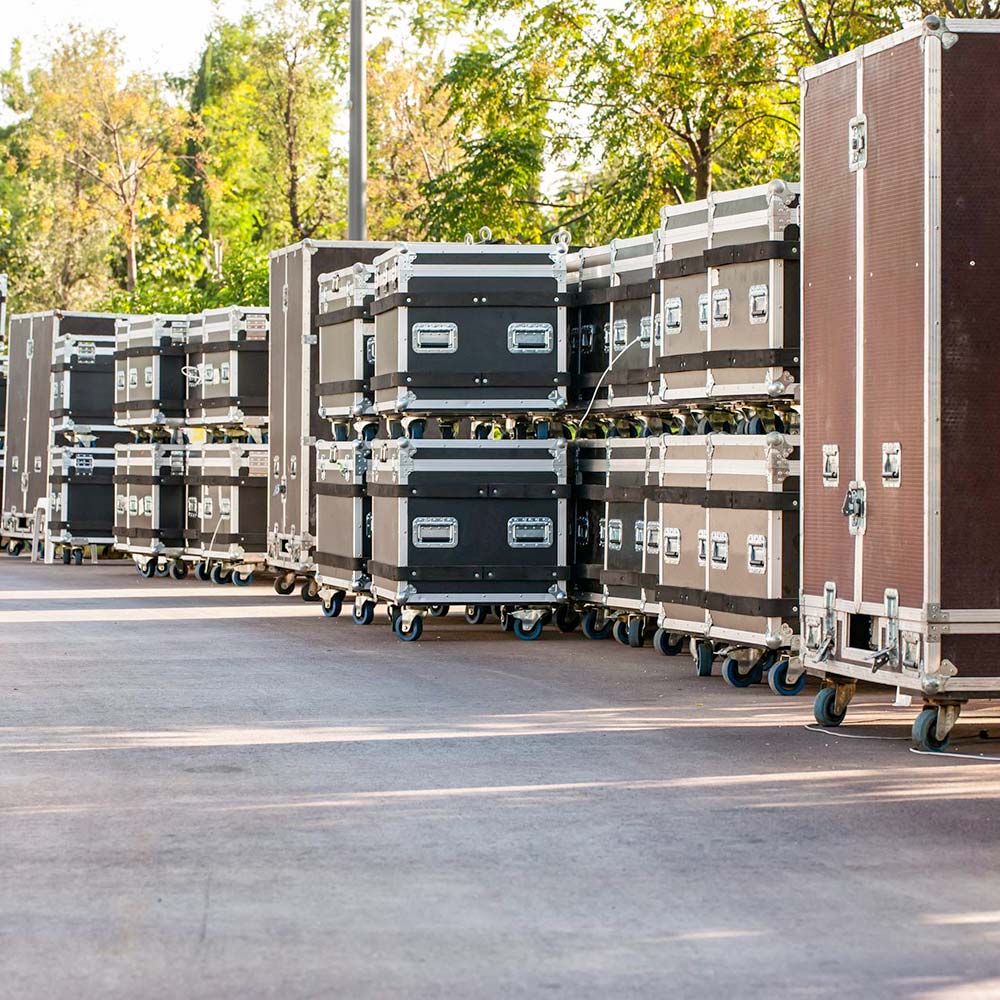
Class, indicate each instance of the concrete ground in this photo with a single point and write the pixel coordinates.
(214, 792)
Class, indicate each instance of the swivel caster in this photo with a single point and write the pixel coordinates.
(566, 619)
(242, 579)
(704, 658)
(310, 591)
(178, 570)
(219, 576)
(364, 612)
(636, 632)
(410, 634)
(777, 680)
(67, 556)
(201, 571)
(147, 570)
(925, 727)
(162, 568)
(332, 608)
(620, 631)
(527, 632)
(734, 678)
(14, 548)
(666, 644)
(590, 628)
(475, 614)
(438, 610)
(77, 557)
(825, 708)
(284, 585)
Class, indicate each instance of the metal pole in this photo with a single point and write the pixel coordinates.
(357, 177)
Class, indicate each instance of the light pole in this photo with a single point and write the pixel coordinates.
(357, 174)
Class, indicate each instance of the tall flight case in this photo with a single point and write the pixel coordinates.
(150, 357)
(901, 584)
(295, 422)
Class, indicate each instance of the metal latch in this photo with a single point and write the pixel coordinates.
(892, 464)
(855, 507)
(889, 653)
(858, 152)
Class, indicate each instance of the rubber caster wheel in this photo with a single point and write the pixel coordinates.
(410, 634)
(566, 619)
(162, 569)
(664, 644)
(363, 613)
(590, 628)
(333, 607)
(67, 557)
(777, 681)
(78, 557)
(219, 576)
(823, 708)
(732, 676)
(924, 735)
(755, 426)
(178, 570)
(529, 633)
(704, 658)
(310, 592)
(15, 548)
(475, 614)
(201, 571)
(148, 571)
(620, 631)
(284, 585)
(242, 579)
(438, 610)
(636, 632)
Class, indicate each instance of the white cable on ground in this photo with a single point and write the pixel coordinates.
(946, 753)
(854, 736)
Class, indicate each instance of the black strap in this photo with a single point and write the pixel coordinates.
(78, 527)
(783, 357)
(724, 499)
(623, 578)
(149, 351)
(339, 562)
(93, 478)
(151, 533)
(682, 267)
(345, 315)
(244, 402)
(225, 346)
(457, 490)
(242, 479)
(339, 489)
(475, 300)
(588, 571)
(747, 253)
(84, 366)
(81, 417)
(253, 539)
(151, 404)
(165, 480)
(530, 381)
(637, 292)
(487, 574)
(756, 607)
(336, 388)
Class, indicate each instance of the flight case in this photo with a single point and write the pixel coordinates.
(150, 386)
(480, 523)
(81, 501)
(226, 369)
(901, 585)
(295, 422)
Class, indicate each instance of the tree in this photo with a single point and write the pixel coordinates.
(117, 139)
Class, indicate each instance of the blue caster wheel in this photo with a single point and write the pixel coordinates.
(67, 556)
(590, 629)
(364, 612)
(310, 591)
(732, 676)
(242, 579)
(636, 632)
(527, 632)
(410, 634)
(282, 585)
(332, 608)
(178, 570)
(620, 631)
(667, 644)
(777, 680)
(566, 619)
(77, 557)
(201, 571)
(824, 710)
(148, 571)
(438, 610)
(924, 735)
(704, 658)
(219, 575)
(161, 569)
(475, 614)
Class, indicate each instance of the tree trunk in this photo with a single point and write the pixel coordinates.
(131, 267)
(291, 154)
(703, 166)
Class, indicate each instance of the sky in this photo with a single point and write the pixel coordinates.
(159, 37)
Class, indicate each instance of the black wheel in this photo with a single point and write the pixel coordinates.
(590, 628)
(394, 612)
(219, 576)
(242, 579)
(704, 657)
(162, 568)
(636, 630)
(507, 622)
(732, 676)
(15, 548)
(475, 614)
(527, 632)
(67, 556)
(755, 426)
(332, 608)
(924, 731)
(284, 585)
(410, 634)
(620, 631)
(310, 591)
(438, 610)
(363, 613)
(201, 571)
(178, 570)
(78, 557)
(665, 643)
(704, 426)
(777, 680)
(147, 571)
(823, 708)
(566, 619)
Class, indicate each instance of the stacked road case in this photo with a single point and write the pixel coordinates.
(59, 395)
(295, 421)
(901, 586)
(150, 386)
(686, 360)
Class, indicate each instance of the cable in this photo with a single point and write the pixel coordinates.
(606, 372)
(854, 736)
(945, 753)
